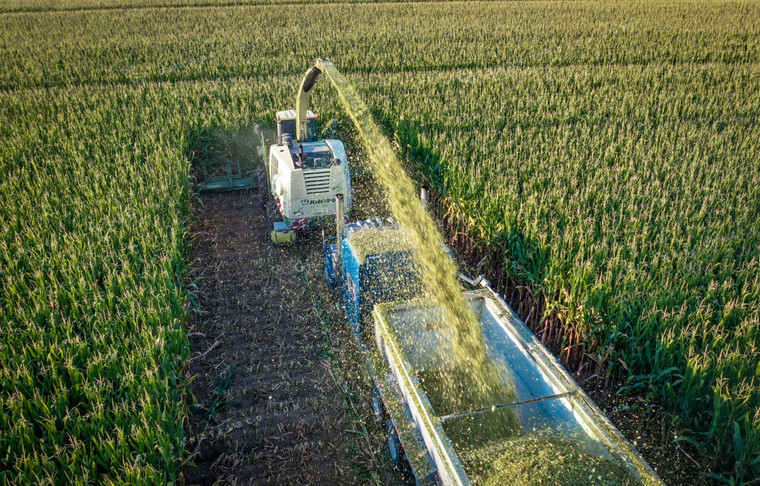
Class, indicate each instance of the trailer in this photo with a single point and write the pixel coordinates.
(548, 432)
(553, 413)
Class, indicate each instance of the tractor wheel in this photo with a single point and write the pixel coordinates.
(377, 407)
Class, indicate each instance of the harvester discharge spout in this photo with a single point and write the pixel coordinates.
(304, 94)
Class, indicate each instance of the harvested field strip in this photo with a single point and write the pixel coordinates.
(262, 322)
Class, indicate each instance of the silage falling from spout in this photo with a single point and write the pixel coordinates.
(478, 384)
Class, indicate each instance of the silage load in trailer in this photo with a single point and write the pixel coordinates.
(547, 432)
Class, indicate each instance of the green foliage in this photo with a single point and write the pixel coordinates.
(630, 207)
(93, 226)
(628, 196)
(605, 153)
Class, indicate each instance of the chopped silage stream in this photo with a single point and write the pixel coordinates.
(477, 384)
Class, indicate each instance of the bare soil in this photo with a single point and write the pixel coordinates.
(277, 382)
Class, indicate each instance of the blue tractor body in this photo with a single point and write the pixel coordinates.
(370, 277)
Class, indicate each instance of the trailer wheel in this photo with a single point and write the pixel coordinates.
(394, 445)
(377, 407)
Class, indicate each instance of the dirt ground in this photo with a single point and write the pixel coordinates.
(277, 380)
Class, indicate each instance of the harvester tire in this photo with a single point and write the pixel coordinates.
(263, 183)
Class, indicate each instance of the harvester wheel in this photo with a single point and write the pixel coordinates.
(263, 183)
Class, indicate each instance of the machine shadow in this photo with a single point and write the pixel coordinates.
(226, 158)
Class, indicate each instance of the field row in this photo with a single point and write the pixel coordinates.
(219, 43)
(44, 6)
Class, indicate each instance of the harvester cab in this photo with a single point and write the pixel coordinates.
(306, 173)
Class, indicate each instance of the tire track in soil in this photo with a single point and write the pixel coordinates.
(283, 417)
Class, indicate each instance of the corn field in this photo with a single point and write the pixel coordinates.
(624, 212)
(602, 155)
